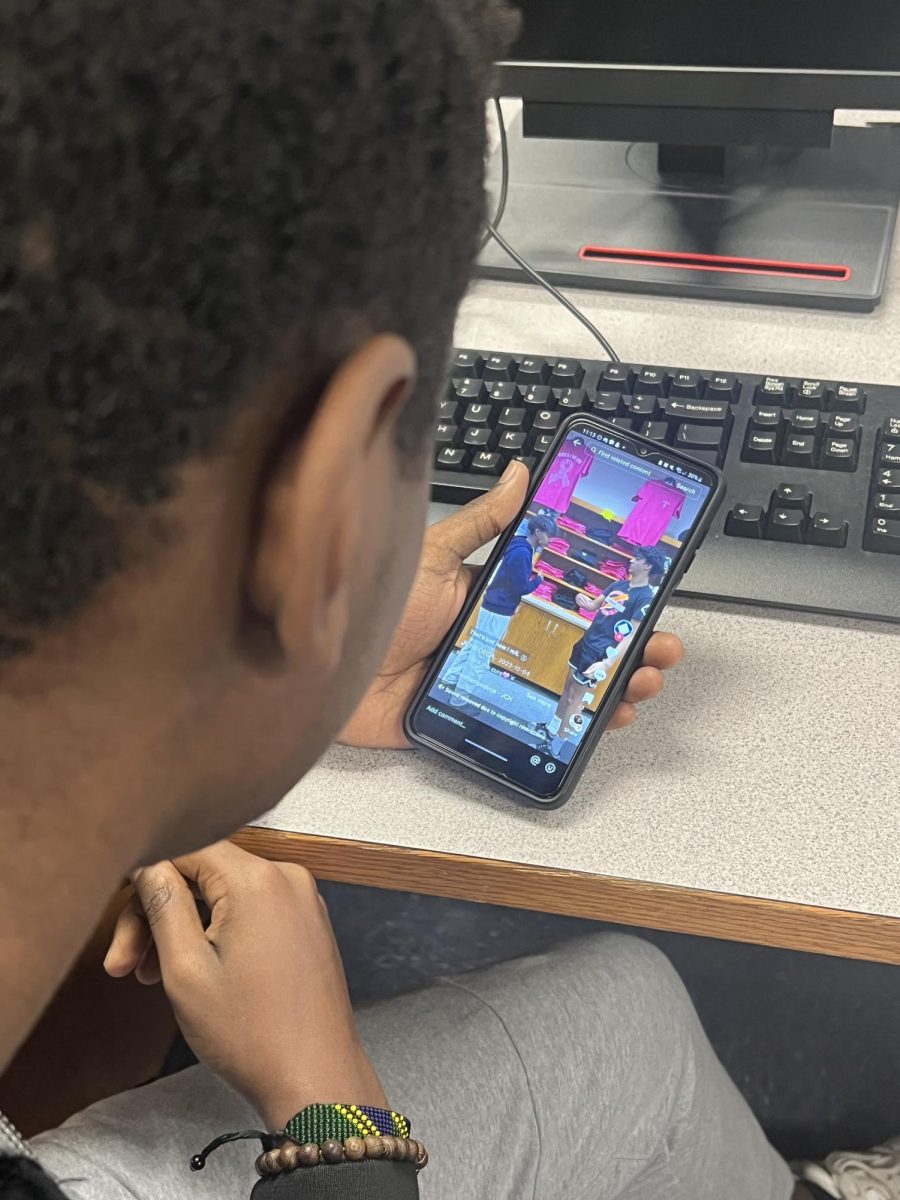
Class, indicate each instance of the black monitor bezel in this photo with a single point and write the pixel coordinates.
(762, 88)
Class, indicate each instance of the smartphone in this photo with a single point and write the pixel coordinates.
(532, 671)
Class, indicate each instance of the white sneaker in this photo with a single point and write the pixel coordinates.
(868, 1175)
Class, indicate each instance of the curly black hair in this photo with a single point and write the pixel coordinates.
(193, 191)
(655, 559)
(541, 524)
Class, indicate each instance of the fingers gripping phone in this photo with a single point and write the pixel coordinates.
(533, 669)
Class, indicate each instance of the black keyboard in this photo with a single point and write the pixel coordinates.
(811, 518)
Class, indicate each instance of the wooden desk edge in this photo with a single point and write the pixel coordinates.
(838, 932)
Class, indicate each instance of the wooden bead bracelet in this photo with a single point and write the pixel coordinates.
(290, 1155)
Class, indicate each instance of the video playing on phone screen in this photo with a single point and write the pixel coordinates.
(519, 688)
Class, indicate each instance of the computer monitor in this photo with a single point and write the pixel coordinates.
(689, 147)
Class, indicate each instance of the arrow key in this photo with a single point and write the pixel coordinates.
(745, 520)
(887, 479)
(825, 530)
(786, 525)
(792, 495)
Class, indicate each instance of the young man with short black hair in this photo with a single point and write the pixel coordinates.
(620, 609)
(232, 242)
(513, 579)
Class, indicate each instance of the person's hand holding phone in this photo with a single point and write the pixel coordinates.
(438, 594)
(260, 993)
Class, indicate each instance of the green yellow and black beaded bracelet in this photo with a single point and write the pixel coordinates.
(321, 1122)
(324, 1134)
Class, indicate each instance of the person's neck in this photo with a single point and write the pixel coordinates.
(62, 855)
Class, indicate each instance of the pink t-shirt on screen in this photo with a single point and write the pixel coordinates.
(656, 505)
(571, 465)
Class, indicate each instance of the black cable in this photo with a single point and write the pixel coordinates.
(492, 232)
(554, 292)
(504, 174)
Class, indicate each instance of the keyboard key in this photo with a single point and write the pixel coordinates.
(607, 404)
(886, 502)
(799, 450)
(891, 429)
(773, 390)
(766, 418)
(450, 458)
(792, 495)
(825, 530)
(480, 414)
(786, 525)
(642, 405)
(701, 437)
(449, 411)
(760, 447)
(466, 362)
(883, 536)
(887, 479)
(847, 397)
(686, 384)
(839, 454)
(843, 424)
(446, 434)
(570, 399)
(567, 373)
(533, 371)
(512, 418)
(486, 462)
(546, 421)
(810, 393)
(503, 393)
(512, 442)
(723, 387)
(527, 460)
(479, 437)
(616, 378)
(466, 390)
(537, 398)
(499, 367)
(745, 520)
(803, 420)
(656, 431)
(542, 443)
(622, 422)
(700, 412)
(652, 381)
(889, 454)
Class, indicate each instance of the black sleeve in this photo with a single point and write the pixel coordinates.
(343, 1181)
(23, 1179)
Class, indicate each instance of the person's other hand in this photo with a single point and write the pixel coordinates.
(584, 600)
(260, 994)
(438, 594)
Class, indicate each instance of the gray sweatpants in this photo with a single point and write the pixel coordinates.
(581, 1074)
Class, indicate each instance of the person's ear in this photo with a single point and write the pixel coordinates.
(325, 492)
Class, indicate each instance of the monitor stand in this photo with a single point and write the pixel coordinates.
(810, 227)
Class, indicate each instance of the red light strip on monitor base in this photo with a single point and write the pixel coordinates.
(677, 261)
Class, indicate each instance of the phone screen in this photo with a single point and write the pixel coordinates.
(526, 674)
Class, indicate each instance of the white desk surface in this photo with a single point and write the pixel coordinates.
(770, 767)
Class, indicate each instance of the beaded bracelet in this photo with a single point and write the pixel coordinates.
(289, 1156)
(328, 1133)
(334, 1122)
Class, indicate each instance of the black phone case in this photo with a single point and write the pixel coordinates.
(608, 706)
